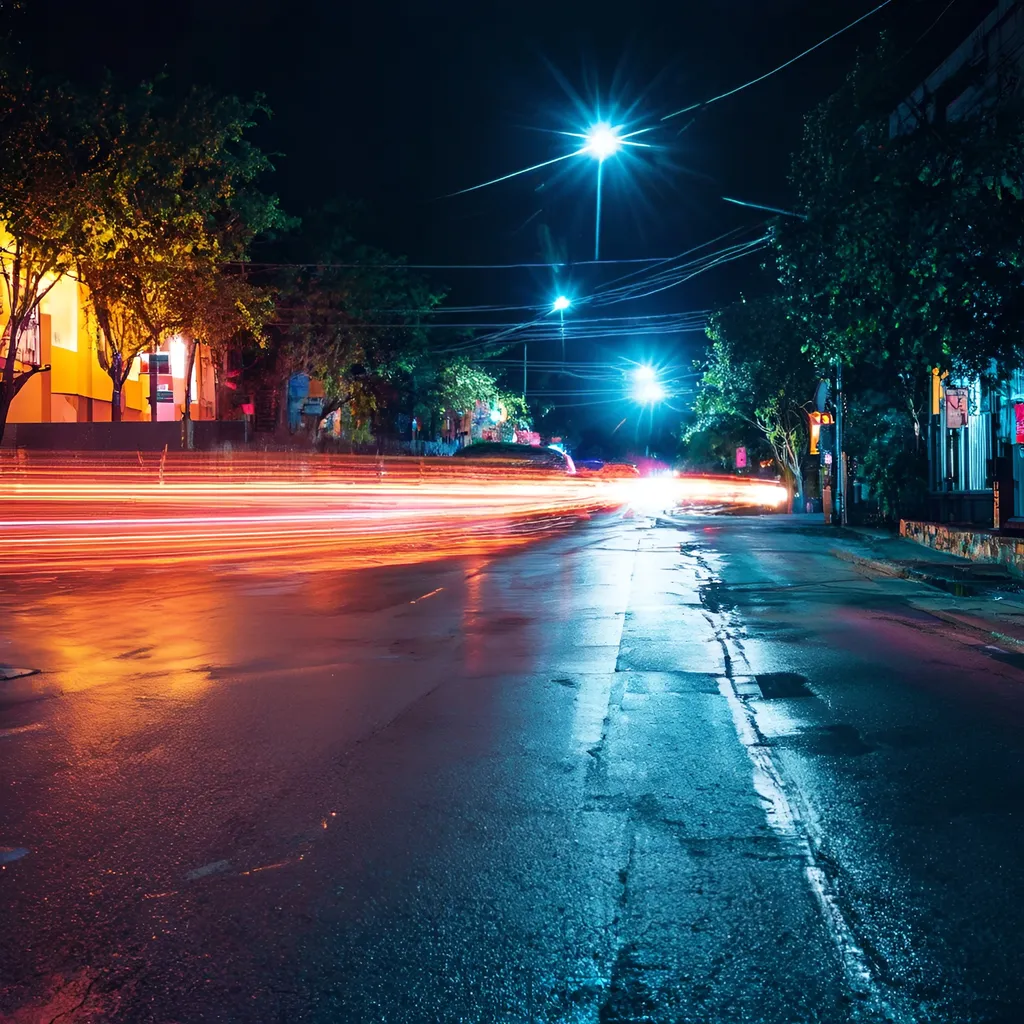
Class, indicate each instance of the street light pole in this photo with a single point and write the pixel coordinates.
(560, 305)
(840, 461)
(602, 141)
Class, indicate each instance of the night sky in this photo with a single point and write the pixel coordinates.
(396, 105)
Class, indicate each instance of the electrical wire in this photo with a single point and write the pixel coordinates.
(781, 67)
(447, 266)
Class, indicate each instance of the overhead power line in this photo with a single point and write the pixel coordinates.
(447, 266)
(781, 67)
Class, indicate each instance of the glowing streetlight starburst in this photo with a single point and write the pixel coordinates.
(561, 304)
(647, 389)
(603, 141)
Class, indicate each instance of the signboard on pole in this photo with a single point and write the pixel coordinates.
(741, 458)
(1018, 416)
(956, 408)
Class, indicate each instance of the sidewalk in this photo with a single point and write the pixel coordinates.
(982, 596)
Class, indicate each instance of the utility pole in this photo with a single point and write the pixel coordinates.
(524, 371)
(152, 386)
(840, 460)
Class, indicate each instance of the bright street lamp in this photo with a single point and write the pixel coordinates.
(647, 389)
(650, 393)
(602, 141)
(559, 306)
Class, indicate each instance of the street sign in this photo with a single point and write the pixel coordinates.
(956, 408)
(741, 458)
(1018, 417)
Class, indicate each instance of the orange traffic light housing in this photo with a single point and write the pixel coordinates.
(818, 420)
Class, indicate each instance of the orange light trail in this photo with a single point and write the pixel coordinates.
(116, 511)
(112, 511)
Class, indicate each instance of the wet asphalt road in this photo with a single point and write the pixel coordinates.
(689, 772)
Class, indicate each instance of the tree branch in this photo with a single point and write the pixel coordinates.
(22, 379)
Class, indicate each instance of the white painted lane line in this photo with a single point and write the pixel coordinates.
(792, 820)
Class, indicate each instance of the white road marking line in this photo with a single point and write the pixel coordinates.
(423, 597)
(797, 825)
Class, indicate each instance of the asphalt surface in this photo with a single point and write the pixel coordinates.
(689, 771)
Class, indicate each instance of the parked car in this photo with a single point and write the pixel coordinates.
(525, 454)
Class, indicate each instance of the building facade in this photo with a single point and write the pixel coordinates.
(76, 388)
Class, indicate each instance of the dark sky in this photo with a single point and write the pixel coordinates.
(398, 104)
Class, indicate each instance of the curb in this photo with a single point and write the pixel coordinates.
(978, 625)
(894, 569)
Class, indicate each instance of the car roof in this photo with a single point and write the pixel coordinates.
(508, 449)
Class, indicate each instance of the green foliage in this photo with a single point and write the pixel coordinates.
(888, 456)
(756, 375)
(910, 258)
(457, 385)
(912, 250)
(356, 320)
(51, 163)
(360, 322)
(176, 207)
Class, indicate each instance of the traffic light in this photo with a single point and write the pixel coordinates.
(819, 420)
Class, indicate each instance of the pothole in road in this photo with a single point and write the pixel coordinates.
(714, 597)
(782, 685)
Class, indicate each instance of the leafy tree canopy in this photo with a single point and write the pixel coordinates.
(912, 250)
(757, 375)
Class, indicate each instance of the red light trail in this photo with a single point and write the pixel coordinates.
(115, 511)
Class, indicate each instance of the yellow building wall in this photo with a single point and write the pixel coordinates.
(77, 388)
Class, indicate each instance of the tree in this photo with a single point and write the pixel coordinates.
(180, 206)
(50, 162)
(756, 373)
(224, 310)
(458, 384)
(357, 320)
(910, 257)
